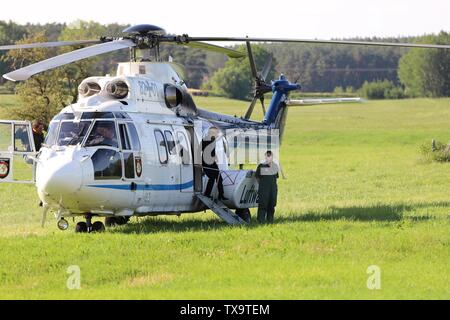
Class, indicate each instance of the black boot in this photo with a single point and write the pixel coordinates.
(222, 198)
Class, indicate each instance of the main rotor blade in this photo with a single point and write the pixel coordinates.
(345, 42)
(266, 68)
(211, 47)
(249, 112)
(49, 44)
(312, 102)
(66, 58)
(251, 60)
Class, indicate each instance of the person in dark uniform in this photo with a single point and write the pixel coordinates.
(38, 134)
(267, 175)
(209, 163)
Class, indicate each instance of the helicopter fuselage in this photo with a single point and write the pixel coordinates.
(124, 153)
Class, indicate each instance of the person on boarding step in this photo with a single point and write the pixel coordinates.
(209, 163)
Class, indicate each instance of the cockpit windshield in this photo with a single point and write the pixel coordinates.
(72, 133)
(64, 130)
(103, 134)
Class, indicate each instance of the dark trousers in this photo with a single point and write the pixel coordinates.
(267, 195)
(213, 175)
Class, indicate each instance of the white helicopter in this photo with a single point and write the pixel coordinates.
(131, 145)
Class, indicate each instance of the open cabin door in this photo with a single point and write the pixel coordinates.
(17, 152)
(186, 161)
(196, 136)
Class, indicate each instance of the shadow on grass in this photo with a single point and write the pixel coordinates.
(387, 213)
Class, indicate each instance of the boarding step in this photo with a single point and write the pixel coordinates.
(221, 210)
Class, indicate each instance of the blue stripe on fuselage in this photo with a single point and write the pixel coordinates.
(144, 187)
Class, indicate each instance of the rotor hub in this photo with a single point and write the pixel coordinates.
(145, 30)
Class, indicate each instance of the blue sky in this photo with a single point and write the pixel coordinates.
(323, 19)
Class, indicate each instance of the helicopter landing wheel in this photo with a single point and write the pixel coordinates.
(81, 227)
(98, 226)
(63, 224)
(116, 221)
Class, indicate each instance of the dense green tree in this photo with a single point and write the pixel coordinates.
(318, 68)
(10, 32)
(426, 72)
(192, 60)
(77, 71)
(43, 95)
(322, 68)
(235, 80)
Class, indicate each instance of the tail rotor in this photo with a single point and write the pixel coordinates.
(261, 87)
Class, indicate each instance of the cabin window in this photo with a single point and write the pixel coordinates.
(128, 160)
(107, 164)
(184, 149)
(124, 139)
(134, 137)
(162, 148)
(170, 142)
(72, 133)
(21, 138)
(103, 134)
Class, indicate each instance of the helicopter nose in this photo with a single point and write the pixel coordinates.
(60, 179)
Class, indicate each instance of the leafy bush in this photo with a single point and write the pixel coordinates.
(381, 90)
(435, 151)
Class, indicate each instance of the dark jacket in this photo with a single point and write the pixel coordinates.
(210, 154)
(38, 140)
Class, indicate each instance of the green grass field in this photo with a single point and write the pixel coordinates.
(357, 194)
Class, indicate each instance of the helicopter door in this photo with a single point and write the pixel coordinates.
(195, 135)
(168, 173)
(16, 152)
(131, 152)
(186, 171)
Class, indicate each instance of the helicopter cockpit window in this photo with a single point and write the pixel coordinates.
(97, 115)
(162, 148)
(134, 137)
(121, 115)
(103, 134)
(107, 164)
(64, 116)
(128, 161)
(124, 139)
(51, 133)
(72, 133)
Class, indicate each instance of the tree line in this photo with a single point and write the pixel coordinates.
(376, 72)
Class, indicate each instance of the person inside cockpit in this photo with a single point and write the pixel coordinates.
(103, 134)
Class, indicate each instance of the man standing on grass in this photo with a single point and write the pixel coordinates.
(267, 175)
